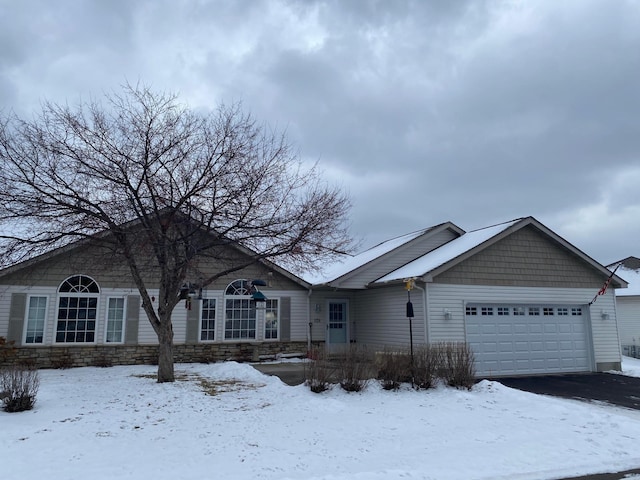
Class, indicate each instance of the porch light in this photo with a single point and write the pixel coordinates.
(257, 296)
(604, 315)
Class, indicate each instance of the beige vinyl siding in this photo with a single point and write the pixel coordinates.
(628, 313)
(5, 306)
(396, 259)
(454, 297)
(318, 318)
(382, 319)
(298, 326)
(52, 305)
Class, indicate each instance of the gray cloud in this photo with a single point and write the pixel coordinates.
(475, 112)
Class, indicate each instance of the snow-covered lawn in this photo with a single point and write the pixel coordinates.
(228, 421)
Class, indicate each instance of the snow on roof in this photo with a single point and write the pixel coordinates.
(633, 278)
(446, 252)
(351, 262)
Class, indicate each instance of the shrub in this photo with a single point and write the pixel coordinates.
(394, 367)
(18, 388)
(427, 360)
(458, 365)
(354, 368)
(319, 371)
(7, 350)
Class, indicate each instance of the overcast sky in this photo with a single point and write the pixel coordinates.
(471, 112)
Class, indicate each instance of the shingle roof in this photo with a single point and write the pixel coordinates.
(446, 253)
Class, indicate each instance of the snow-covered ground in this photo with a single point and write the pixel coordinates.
(228, 421)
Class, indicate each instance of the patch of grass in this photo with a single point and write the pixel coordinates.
(207, 385)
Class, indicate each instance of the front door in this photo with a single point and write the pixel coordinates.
(337, 324)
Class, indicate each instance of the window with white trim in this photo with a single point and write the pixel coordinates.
(115, 320)
(239, 312)
(208, 320)
(77, 310)
(576, 311)
(271, 319)
(472, 311)
(36, 316)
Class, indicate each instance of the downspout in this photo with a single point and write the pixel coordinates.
(424, 312)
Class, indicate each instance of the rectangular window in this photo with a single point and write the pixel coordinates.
(208, 320)
(36, 315)
(487, 310)
(271, 318)
(472, 311)
(576, 311)
(115, 320)
(76, 319)
(534, 311)
(240, 319)
(547, 311)
(563, 311)
(503, 310)
(518, 311)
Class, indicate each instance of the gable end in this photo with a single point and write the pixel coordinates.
(526, 258)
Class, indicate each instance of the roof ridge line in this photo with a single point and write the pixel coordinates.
(497, 224)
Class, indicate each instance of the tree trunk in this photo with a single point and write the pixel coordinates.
(165, 352)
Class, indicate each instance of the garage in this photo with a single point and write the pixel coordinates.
(528, 339)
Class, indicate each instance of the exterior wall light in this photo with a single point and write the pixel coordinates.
(447, 314)
(257, 296)
(604, 315)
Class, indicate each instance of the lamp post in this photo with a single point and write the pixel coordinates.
(409, 283)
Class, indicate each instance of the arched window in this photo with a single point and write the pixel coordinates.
(240, 311)
(79, 284)
(77, 310)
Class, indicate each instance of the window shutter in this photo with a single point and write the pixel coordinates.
(133, 320)
(16, 317)
(193, 321)
(285, 319)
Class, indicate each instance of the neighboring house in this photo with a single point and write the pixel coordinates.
(516, 292)
(628, 305)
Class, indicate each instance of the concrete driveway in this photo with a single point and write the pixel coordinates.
(603, 387)
(291, 373)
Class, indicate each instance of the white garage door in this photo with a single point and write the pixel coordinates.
(528, 339)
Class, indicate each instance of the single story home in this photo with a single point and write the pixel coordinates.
(628, 305)
(519, 294)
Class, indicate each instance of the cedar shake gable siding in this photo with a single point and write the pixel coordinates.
(526, 257)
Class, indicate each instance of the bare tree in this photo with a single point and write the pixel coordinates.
(162, 186)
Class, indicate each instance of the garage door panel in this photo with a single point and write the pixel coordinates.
(520, 328)
(505, 329)
(535, 328)
(488, 329)
(566, 328)
(542, 340)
